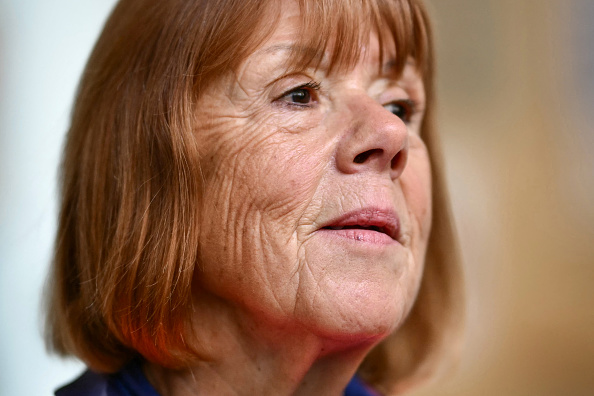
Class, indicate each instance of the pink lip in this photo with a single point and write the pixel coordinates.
(367, 225)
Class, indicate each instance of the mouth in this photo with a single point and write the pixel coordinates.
(369, 225)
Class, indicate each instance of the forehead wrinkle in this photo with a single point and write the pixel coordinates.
(300, 57)
(237, 79)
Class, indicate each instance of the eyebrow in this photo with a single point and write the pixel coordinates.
(288, 48)
(387, 68)
(293, 48)
(390, 65)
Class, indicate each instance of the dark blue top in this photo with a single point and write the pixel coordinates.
(130, 381)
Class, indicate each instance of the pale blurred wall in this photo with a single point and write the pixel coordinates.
(516, 85)
(516, 98)
(43, 47)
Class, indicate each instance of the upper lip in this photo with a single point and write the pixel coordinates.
(381, 220)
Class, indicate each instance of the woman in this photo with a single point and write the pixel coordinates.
(247, 203)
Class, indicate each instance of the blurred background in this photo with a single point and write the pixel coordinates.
(516, 90)
(516, 85)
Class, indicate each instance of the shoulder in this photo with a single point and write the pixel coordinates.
(88, 384)
(129, 381)
(359, 388)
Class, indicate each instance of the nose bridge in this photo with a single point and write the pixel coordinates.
(375, 139)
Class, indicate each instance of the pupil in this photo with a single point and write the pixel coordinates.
(399, 111)
(300, 96)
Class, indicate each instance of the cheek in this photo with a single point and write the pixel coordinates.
(266, 168)
(259, 181)
(416, 188)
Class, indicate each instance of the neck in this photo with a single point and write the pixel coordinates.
(242, 357)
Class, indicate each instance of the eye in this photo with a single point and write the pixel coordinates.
(302, 96)
(299, 95)
(403, 109)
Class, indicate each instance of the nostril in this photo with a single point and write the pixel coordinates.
(361, 158)
(396, 159)
(399, 160)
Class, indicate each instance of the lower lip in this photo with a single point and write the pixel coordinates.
(360, 235)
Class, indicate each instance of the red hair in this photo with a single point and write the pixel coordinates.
(126, 248)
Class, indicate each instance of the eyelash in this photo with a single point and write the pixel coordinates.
(311, 89)
(408, 105)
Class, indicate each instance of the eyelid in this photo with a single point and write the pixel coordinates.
(313, 86)
(411, 104)
(411, 107)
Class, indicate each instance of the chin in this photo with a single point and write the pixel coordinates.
(359, 312)
(349, 294)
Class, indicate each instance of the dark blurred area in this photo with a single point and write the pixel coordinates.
(516, 92)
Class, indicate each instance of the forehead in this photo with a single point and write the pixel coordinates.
(292, 41)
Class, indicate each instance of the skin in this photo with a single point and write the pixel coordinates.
(283, 306)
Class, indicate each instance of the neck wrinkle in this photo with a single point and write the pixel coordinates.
(241, 357)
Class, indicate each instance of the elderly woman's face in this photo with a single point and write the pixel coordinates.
(316, 209)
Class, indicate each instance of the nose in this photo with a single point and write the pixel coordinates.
(375, 139)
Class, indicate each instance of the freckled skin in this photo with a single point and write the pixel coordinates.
(275, 173)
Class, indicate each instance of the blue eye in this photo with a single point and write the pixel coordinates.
(403, 109)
